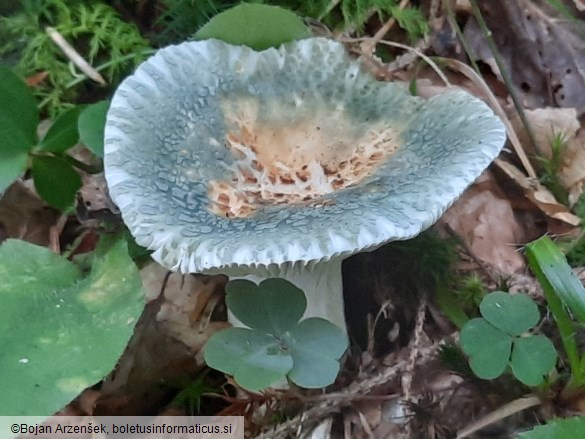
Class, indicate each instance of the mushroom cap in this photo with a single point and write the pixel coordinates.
(221, 157)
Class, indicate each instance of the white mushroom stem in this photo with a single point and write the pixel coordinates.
(322, 285)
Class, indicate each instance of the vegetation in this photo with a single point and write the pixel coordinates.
(96, 29)
(503, 336)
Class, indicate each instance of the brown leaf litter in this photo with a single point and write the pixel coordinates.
(24, 216)
(543, 51)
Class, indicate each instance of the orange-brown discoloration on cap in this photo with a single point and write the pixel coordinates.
(280, 160)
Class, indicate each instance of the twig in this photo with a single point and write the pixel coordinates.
(473, 256)
(360, 388)
(329, 8)
(506, 410)
(453, 22)
(74, 56)
(503, 71)
(407, 376)
(55, 233)
(495, 105)
(414, 350)
(421, 55)
(384, 29)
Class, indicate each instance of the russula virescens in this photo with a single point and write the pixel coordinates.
(281, 163)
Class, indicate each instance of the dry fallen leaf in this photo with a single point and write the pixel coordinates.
(546, 123)
(543, 52)
(24, 216)
(540, 196)
(484, 219)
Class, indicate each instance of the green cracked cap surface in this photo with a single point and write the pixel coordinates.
(168, 127)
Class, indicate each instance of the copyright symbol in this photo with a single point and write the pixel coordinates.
(14, 428)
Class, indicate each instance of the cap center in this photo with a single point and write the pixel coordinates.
(284, 158)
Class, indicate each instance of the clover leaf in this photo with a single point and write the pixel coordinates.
(277, 345)
(497, 340)
(514, 314)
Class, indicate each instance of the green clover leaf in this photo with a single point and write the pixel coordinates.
(532, 357)
(513, 314)
(277, 345)
(261, 306)
(488, 348)
(496, 341)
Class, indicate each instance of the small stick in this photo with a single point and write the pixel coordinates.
(417, 52)
(369, 49)
(74, 56)
(361, 388)
(503, 412)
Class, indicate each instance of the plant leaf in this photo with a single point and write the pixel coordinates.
(17, 109)
(320, 336)
(487, 346)
(257, 26)
(544, 255)
(513, 314)
(19, 119)
(570, 428)
(256, 360)
(532, 357)
(60, 333)
(312, 370)
(55, 180)
(12, 165)
(559, 284)
(63, 133)
(274, 306)
(91, 124)
(316, 346)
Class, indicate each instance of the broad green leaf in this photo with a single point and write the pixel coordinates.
(513, 314)
(256, 360)
(55, 180)
(274, 306)
(312, 370)
(316, 346)
(63, 133)
(488, 348)
(15, 141)
(319, 335)
(570, 428)
(12, 165)
(60, 333)
(13, 138)
(550, 263)
(17, 109)
(532, 358)
(257, 26)
(91, 124)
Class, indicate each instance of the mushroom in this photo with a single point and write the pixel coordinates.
(281, 163)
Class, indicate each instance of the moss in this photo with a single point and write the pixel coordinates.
(93, 28)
